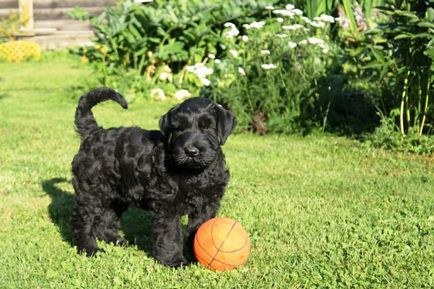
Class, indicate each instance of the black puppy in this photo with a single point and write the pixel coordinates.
(177, 171)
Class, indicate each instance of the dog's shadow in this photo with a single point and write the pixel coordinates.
(135, 223)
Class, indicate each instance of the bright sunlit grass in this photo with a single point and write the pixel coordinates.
(321, 211)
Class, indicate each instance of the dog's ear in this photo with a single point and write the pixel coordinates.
(226, 123)
(165, 127)
(165, 123)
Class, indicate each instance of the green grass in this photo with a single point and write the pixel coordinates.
(321, 211)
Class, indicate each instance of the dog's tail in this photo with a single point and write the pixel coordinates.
(84, 119)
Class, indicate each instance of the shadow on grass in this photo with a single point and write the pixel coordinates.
(60, 209)
(135, 223)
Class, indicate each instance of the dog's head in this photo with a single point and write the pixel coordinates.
(194, 131)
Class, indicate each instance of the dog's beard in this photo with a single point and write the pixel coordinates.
(201, 161)
(207, 154)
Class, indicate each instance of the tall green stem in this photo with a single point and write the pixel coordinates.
(403, 102)
(418, 112)
(425, 109)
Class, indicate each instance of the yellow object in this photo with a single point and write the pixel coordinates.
(101, 49)
(18, 51)
(84, 60)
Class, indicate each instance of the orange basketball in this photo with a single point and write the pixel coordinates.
(221, 244)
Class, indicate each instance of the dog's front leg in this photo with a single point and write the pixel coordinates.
(196, 218)
(169, 240)
(200, 216)
(205, 210)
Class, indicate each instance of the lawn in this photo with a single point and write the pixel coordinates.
(321, 211)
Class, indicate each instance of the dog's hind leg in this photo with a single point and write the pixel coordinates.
(83, 219)
(108, 225)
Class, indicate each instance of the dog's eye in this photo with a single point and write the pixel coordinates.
(205, 123)
(204, 126)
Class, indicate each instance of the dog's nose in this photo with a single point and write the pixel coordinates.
(191, 151)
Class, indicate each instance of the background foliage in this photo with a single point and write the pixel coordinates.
(398, 56)
(376, 73)
(268, 75)
(163, 36)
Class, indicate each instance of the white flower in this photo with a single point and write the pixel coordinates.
(166, 74)
(293, 27)
(268, 66)
(241, 71)
(314, 40)
(257, 25)
(157, 94)
(292, 44)
(211, 56)
(327, 18)
(217, 61)
(289, 7)
(297, 12)
(318, 24)
(200, 70)
(265, 52)
(245, 38)
(233, 52)
(233, 30)
(279, 19)
(232, 33)
(282, 35)
(282, 12)
(324, 47)
(254, 25)
(205, 81)
(182, 94)
(269, 7)
(339, 19)
(305, 19)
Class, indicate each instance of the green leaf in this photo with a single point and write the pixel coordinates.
(430, 14)
(134, 31)
(373, 64)
(356, 51)
(349, 12)
(141, 51)
(423, 35)
(425, 24)
(378, 55)
(402, 36)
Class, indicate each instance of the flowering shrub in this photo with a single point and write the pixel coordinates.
(154, 42)
(18, 51)
(270, 68)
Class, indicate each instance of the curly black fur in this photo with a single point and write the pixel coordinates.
(177, 171)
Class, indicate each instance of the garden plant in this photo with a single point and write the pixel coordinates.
(281, 69)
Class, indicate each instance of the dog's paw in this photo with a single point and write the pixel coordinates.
(90, 251)
(176, 263)
(181, 264)
(122, 242)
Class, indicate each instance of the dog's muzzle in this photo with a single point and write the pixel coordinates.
(191, 151)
